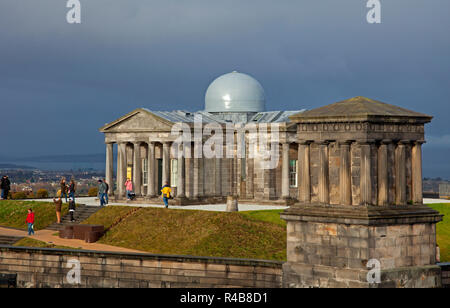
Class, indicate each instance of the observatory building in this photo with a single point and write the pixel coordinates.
(143, 140)
(321, 154)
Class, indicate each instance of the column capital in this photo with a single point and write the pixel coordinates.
(386, 141)
(419, 142)
(404, 142)
(322, 142)
(365, 141)
(345, 142)
(305, 142)
(109, 142)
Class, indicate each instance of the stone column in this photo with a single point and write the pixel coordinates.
(383, 173)
(181, 173)
(417, 172)
(400, 174)
(151, 186)
(345, 176)
(285, 171)
(366, 177)
(166, 163)
(121, 168)
(324, 187)
(110, 167)
(137, 168)
(304, 177)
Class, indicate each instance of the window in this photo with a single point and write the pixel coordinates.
(293, 173)
(145, 172)
(174, 172)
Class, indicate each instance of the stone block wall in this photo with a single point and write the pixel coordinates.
(445, 273)
(336, 254)
(39, 267)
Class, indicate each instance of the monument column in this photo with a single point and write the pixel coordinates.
(417, 172)
(400, 173)
(304, 176)
(324, 187)
(366, 178)
(151, 170)
(137, 168)
(345, 179)
(181, 174)
(285, 171)
(110, 166)
(166, 163)
(383, 175)
(121, 168)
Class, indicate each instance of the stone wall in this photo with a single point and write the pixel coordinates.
(40, 267)
(445, 270)
(326, 254)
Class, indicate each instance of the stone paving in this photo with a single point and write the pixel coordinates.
(92, 201)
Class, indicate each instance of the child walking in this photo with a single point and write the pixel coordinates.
(30, 222)
(166, 190)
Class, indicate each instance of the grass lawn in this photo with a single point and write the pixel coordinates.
(14, 213)
(28, 242)
(443, 230)
(272, 216)
(255, 235)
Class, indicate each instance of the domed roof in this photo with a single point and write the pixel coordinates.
(235, 92)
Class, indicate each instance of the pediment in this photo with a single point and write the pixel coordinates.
(138, 121)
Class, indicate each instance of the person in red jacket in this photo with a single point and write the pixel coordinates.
(30, 222)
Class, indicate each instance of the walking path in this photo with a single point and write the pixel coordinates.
(92, 201)
(48, 237)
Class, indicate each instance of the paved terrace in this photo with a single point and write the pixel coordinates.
(92, 201)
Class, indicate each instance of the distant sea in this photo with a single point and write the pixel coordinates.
(65, 166)
(58, 162)
(60, 166)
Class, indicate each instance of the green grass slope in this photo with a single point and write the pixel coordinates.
(443, 230)
(199, 233)
(14, 213)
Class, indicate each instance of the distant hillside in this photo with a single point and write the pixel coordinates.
(73, 158)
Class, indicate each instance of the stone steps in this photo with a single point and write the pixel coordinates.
(82, 213)
(9, 240)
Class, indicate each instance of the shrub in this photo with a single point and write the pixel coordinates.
(93, 192)
(19, 195)
(42, 193)
(30, 195)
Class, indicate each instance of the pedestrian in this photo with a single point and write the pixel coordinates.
(72, 207)
(129, 188)
(166, 190)
(58, 206)
(101, 192)
(30, 222)
(72, 188)
(106, 192)
(5, 186)
(63, 188)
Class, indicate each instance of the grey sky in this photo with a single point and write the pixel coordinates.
(59, 83)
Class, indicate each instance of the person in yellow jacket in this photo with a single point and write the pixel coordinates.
(166, 190)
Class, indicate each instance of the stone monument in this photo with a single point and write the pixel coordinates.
(361, 205)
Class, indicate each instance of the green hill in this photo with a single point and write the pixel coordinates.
(199, 233)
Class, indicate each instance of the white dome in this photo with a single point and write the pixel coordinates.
(235, 92)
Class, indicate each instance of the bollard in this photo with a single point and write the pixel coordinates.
(232, 204)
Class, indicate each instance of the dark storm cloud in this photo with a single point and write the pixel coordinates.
(59, 83)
